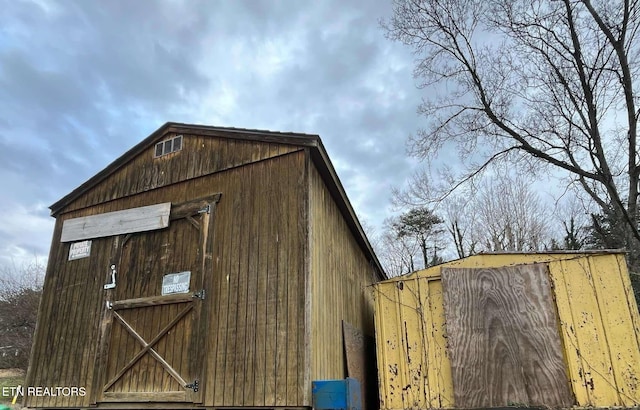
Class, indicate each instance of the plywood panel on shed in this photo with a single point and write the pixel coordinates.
(359, 352)
(503, 337)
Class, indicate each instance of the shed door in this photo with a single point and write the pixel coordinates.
(153, 336)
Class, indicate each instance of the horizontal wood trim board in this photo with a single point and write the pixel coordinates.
(193, 207)
(146, 396)
(145, 218)
(152, 301)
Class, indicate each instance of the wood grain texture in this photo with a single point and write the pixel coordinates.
(200, 156)
(504, 343)
(257, 349)
(261, 255)
(70, 320)
(146, 397)
(340, 273)
(360, 358)
(160, 327)
(145, 218)
(152, 301)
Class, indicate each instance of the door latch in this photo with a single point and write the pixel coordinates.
(205, 210)
(195, 386)
(113, 279)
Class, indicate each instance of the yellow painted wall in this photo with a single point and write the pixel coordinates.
(598, 319)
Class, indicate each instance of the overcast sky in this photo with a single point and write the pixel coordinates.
(81, 82)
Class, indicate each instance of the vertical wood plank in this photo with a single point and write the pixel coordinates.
(617, 318)
(253, 254)
(264, 225)
(271, 308)
(223, 260)
(389, 345)
(559, 275)
(439, 367)
(295, 281)
(230, 332)
(241, 375)
(416, 351)
(284, 244)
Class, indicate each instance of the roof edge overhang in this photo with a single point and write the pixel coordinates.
(327, 171)
(312, 141)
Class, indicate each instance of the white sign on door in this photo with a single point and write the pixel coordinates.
(176, 283)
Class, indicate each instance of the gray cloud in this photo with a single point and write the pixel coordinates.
(81, 82)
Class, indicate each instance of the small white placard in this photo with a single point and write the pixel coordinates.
(79, 250)
(176, 283)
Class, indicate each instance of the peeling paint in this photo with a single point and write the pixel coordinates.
(597, 314)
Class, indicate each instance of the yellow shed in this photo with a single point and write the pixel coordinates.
(545, 329)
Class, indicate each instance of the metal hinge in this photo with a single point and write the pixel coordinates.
(199, 294)
(205, 210)
(195, 386)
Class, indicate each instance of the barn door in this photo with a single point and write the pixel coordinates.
(156, 309)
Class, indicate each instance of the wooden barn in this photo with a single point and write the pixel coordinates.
(205, 267)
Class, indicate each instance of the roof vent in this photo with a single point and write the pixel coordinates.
(168, 146)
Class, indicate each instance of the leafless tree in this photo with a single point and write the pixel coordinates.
(397, 255)
(460, 221)
(511, 217)
(502, 213)
(20, 290)
(543, 82)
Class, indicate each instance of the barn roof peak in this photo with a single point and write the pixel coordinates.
(312, 141)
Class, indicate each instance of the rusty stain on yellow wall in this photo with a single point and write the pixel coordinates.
(598, 319)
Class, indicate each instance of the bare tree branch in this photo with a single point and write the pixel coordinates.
(551, 80)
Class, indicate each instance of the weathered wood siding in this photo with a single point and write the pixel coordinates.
(67, 331)
(256, 344)
(200, 155)
(257, 328)
(340, 273)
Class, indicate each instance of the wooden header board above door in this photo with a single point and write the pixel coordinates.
(145, 218)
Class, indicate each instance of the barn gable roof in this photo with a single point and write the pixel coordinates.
(318, 155)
